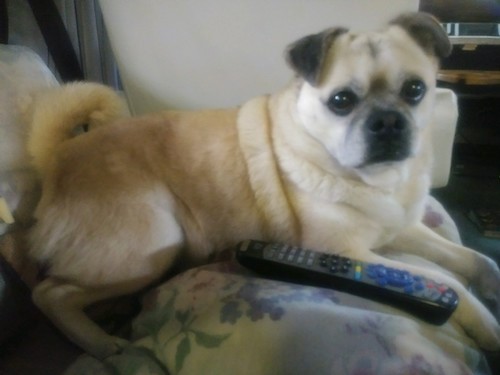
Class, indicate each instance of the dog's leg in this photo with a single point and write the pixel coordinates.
(481, 272)
(471, 314)
(63, 303)
(98, 249)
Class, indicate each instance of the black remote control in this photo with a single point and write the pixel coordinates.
(416, 294)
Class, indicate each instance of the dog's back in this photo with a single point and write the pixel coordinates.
(119, 193)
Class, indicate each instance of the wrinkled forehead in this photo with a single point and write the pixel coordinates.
(366, 59)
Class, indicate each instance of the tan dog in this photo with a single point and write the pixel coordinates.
(338, 161)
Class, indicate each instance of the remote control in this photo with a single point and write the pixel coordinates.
(430, 301)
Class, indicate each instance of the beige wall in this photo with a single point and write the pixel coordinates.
(218, 53)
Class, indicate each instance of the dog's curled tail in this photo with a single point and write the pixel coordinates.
(61, 113)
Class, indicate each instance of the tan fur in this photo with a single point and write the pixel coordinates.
(125, 201)
(59, 111)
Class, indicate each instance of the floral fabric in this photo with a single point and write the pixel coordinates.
(222, 319)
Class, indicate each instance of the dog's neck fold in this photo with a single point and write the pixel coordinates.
(385, 176)
(255, 138)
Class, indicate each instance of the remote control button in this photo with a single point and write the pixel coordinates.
(371, 272)
(382, 281)
(398, 278)
(381, 271)
(442, 288)
(357, 272)
(432, 294)
(419, 286)
(271, 253)
(345, 260)
(449, 298)
(408, 289)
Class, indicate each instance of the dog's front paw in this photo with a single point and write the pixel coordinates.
(487, 285)
(476, 320)
(109, 347)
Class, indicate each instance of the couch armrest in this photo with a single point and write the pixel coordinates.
(444, 124)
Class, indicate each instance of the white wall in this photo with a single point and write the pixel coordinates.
(218, 53)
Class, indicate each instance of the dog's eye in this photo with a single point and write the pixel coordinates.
(342, 103)
(413, 91)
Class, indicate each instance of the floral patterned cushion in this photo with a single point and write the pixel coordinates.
(222, 319)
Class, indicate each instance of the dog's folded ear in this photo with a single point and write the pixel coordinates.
(426, 30)
(306, 55)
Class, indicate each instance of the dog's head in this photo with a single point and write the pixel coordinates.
(367, 96)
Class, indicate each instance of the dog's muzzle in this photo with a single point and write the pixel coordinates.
(388, 137)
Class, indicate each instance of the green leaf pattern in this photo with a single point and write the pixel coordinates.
(211, 321)
(183, 350)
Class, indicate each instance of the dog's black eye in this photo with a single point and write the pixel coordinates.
(342, 103)
(413, 91)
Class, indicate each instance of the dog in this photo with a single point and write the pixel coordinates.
(337, 161)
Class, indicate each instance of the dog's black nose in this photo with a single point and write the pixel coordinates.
(388, 137)
(386, 123)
